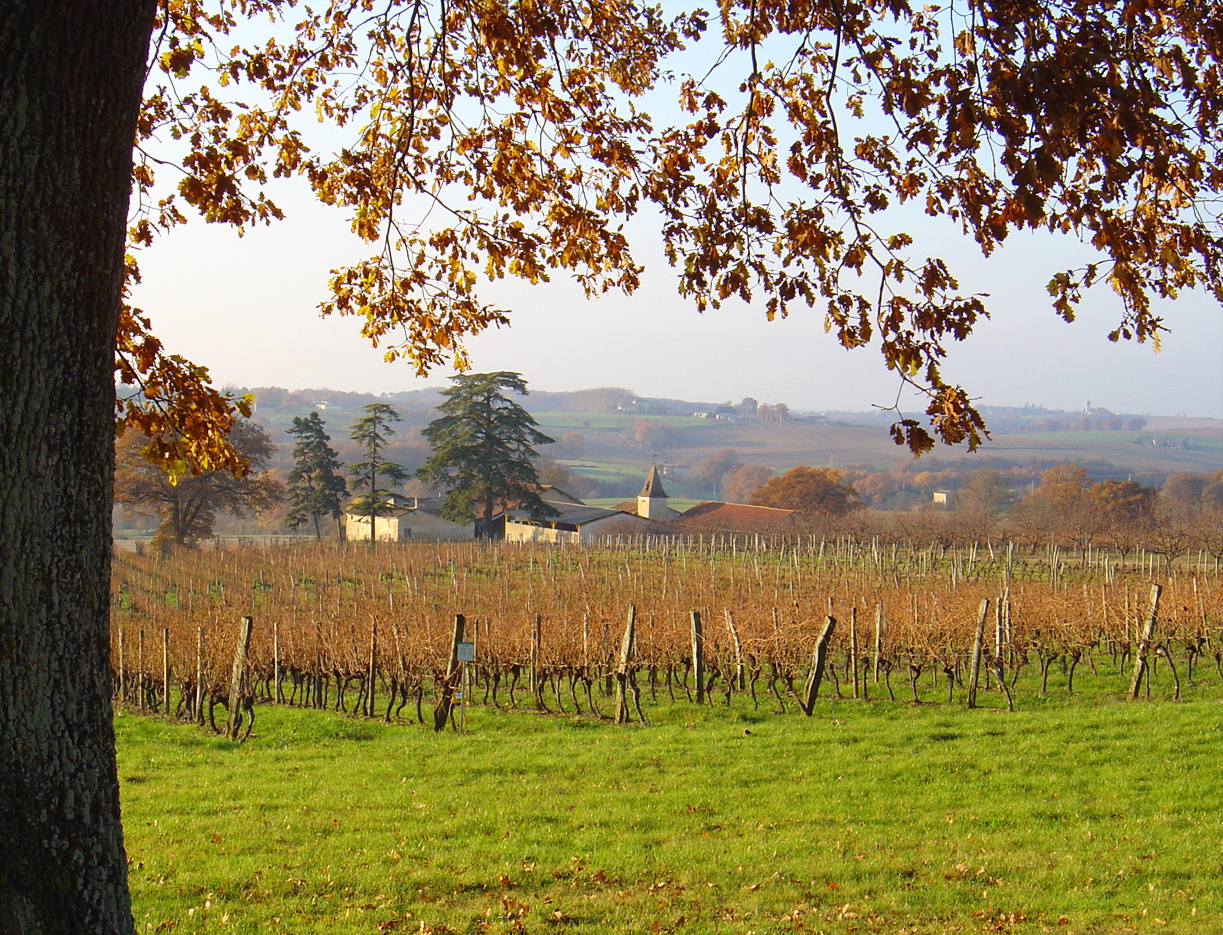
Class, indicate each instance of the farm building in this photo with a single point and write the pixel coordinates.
(574, 521)
(406, 519)
(550, 493)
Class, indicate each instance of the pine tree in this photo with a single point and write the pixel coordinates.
(316, 486)
(373, 432)
(484, 449)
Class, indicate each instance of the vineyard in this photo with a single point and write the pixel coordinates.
(372, 633)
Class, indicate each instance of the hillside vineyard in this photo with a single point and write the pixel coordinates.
(548, 623)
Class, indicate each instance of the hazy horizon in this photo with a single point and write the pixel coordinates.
(246, 309)
(437, 386)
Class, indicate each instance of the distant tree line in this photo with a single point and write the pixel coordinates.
(1033, 503)
(1084, 423)
(1030, 501)
(484, 456)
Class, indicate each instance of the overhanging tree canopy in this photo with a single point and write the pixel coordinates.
(798, 127)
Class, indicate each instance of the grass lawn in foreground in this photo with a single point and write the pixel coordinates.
(1076, 815)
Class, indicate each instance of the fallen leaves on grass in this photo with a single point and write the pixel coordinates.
(999, 919)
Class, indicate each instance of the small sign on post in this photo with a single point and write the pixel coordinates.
(465, 653)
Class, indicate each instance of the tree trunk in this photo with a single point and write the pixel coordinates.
(486, 525)
(373, 512)
(70, 82)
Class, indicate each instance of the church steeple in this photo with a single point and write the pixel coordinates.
(652, 501)
(653, 485)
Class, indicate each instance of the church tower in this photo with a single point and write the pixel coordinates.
(652, 501)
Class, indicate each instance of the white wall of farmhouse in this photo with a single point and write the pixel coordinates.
(411, 525)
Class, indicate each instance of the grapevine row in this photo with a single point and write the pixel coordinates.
(547, 622)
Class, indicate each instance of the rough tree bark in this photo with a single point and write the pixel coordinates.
(71, 73)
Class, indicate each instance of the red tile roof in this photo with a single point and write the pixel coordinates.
(712, 516)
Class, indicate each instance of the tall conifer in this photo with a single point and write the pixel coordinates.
(373, 432)
(484, 449)
(316, 485)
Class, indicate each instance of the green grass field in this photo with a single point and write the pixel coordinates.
(1117, 448)
(1072, 815)
(617, 421)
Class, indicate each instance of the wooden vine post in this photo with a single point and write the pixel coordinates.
(586, 641)
(318, 663)
(605, 649)
(853, 645)
(373, 667)
(277, 694)
(1144, 643)
(698, 656)
(536, 687)
(819, 657)
(235, 680)
(199, 675)
(878, 639)
(165, 669)
(441, 714)
(122, 668)
(998, 625)
(734, 637)
(626, 656)
(975, 672)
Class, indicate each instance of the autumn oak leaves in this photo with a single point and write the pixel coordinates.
(492, 140)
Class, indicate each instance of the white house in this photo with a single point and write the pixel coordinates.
(573, 523)
(418, 518)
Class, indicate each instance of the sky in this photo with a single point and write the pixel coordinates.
(246, 308)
